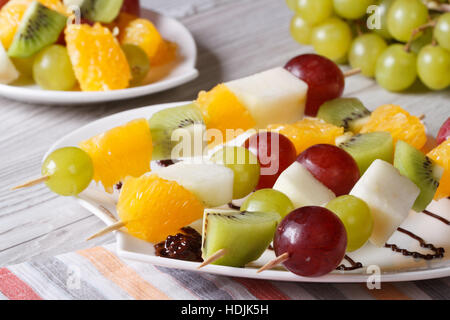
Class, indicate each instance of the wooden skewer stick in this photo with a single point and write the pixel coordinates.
(352, 72)
(31, 183)
(216, 256)
(108, 229)
(278, 260)
(421, 117)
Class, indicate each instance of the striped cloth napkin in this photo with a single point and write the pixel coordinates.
(98, 273)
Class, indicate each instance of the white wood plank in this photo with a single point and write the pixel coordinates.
(235, 38)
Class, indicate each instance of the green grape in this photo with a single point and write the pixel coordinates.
(332, 38)
(138, 62)
(356, 217)
(70, 171)
(365, 51)
(314, 11)
(382, 11)
(442, 31)
(433, 67)
(351, 9)
(422, 40)
(301, 30)
(52, 69)
(404, 16)
(245, 167)
(292, 4)
(396, 69)
(268, 200)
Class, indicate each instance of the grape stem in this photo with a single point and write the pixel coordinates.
(352, 72)
(442, 7)
(430, 24)
(31, 183)
(278, 260)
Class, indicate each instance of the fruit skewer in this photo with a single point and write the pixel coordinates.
(244, 95)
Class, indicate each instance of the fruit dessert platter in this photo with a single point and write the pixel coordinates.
(86, 45)
(275, 170)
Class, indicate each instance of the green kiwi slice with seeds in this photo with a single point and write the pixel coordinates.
(421, 170)
(39, 27)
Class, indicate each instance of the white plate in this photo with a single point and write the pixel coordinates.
(165, 77)
(392, 266)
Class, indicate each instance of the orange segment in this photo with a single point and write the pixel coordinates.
(12, 12)
(98, 61)
(308, 132)
(120, 152)
(441, 155)
(222, 110)
(143, 33)
(155, 208)
(399, 123)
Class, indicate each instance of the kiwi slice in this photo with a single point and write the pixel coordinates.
(97, 10)
(177, 132)
(245, 235)
(349, 113)
(367, 147)
(421, 170)
(39, 27)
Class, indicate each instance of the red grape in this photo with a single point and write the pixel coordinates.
(315, 239)
(324, 78)
(132, 7)
(275, 153)
(444, 132)
(332, 166)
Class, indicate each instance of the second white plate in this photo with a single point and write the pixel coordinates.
(166, 77)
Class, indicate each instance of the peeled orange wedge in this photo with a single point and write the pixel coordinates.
(222, 110)
(98, 61)
(441, 155)
(154, 208)
(120, 152)
(397, 121)
(308, 132)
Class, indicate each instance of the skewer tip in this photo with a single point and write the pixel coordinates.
(31, 183)
(108, 229)
(278, 260)
(216, 256)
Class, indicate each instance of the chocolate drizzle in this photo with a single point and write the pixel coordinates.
(353, 265)
(431, 214)
(166, 163)
(438, 252)
(186, 245)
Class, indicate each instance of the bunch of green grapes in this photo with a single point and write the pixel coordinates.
(393, 41)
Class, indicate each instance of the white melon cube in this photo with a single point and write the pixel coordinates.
(389, 195)
(8, 72)
(272, 96)
(211, 183)
(302, 187)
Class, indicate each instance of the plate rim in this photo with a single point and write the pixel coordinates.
(275, 275)
(40, 96)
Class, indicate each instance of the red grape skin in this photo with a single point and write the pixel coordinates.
(332, 166)
(315, 239)
(272, 162)
(444, 132)
(132, 7)
(324, 78)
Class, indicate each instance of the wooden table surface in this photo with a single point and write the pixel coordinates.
(235, 38)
